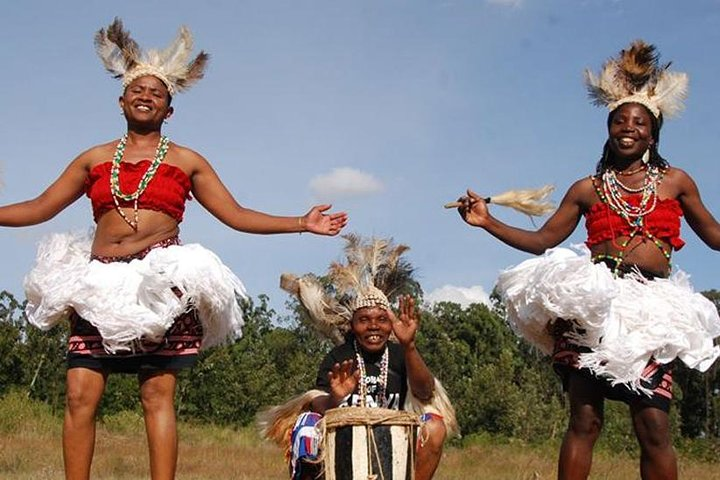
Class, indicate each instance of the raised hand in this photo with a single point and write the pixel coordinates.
(473, 209)
(315, 221)
(405, 324)
(344, 378)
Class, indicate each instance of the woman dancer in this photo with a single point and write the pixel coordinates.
(144, 304)
(611, 317)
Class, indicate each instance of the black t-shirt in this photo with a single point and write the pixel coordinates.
(396, 380)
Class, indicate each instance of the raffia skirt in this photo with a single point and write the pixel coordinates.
(624, 322)
(153, 309)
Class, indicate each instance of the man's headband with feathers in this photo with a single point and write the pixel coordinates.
(636, 76)
(373, 275)
(124, 59)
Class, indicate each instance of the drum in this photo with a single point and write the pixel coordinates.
(369, 444)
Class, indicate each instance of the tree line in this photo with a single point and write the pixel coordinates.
(499, 384)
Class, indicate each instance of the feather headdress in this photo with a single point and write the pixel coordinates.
(636, 76)
(124, 59)
(373, 274)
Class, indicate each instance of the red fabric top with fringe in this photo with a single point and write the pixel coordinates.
(167, 191)
(663, 223)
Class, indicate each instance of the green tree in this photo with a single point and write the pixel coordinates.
(46, 363)
(30, 359)
(13, 351)
(269, 363)
(698, 399)
(497, 383)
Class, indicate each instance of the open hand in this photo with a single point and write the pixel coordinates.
(405, 324)
(316, 221)
(344, 378)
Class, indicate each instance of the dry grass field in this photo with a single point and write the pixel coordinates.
(30, 449)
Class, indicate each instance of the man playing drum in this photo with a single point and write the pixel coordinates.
(367, 368)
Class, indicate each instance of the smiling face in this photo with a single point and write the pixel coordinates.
(630, 131)
(146, 101)
(372, 328)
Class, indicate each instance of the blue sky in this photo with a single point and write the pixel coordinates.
(412, 101)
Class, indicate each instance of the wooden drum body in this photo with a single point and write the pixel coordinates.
(369, 443)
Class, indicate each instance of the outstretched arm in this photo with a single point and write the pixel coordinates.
(697, 215)
(559, 226)
(65, 190)
(405, 326)
(215, 197)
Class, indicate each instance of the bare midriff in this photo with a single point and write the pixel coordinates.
(115, 238)
(640, 252)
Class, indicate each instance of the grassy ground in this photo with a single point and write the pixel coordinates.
(30, 449)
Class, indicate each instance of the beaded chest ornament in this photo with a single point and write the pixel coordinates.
(382, 394)
(611, 193)
(115, 190)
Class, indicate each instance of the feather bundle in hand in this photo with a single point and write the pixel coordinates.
(529, 201)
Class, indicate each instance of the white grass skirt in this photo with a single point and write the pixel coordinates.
(626, 320)
(129, 301)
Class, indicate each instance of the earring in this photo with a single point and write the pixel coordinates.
(646, 156)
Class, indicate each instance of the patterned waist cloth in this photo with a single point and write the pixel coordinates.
(182, 339)
(656, 377)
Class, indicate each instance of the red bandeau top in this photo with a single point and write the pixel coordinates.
(167, 191)
(603, 224)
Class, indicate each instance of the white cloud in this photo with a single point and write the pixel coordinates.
(463, 296)
(506, 3)
(344, 182)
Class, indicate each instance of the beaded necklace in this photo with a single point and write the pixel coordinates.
(382, 395)
(117, 194)
(610, 193)
(612, 190)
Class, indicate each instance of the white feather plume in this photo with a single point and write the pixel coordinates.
(111, 57)
(326, 315)
(117, 50)
(670, 92)
(177, 54)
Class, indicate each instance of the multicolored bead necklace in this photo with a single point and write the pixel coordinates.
(382, 395)
(117, 194)
(611, 193)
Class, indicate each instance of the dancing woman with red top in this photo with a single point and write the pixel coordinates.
(137, 300)
(612, 316)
